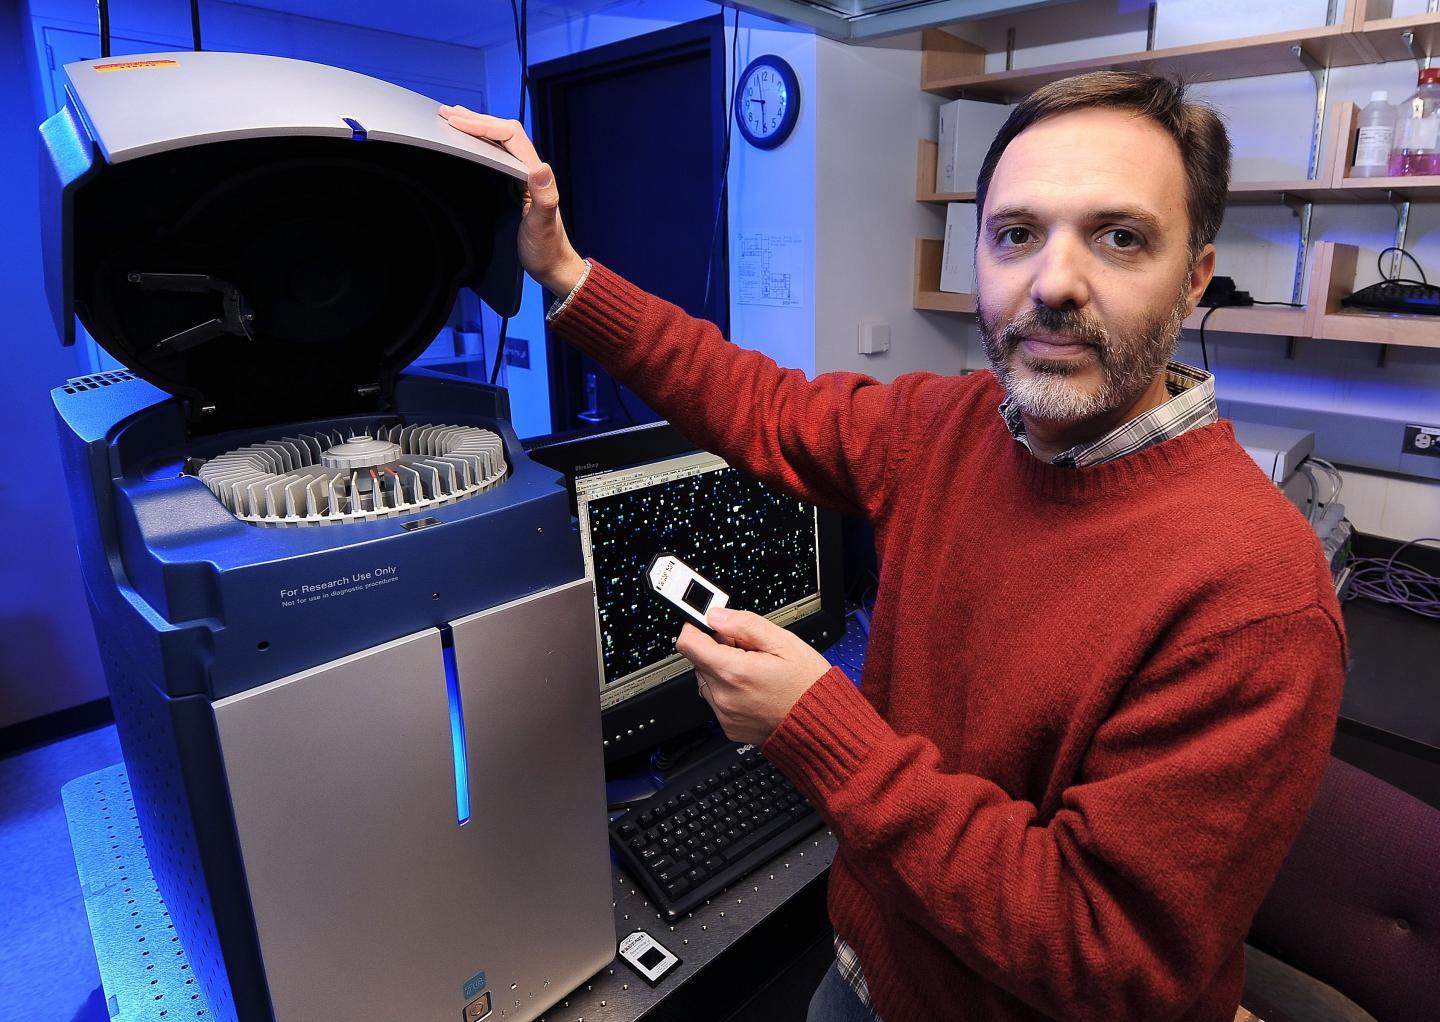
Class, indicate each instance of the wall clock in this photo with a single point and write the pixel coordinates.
(767, 101)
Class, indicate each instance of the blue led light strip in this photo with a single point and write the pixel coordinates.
(457, 726)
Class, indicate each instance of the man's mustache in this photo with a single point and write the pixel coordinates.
(1070, 324)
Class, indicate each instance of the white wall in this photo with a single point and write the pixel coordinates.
(774, 194)
(870, 113)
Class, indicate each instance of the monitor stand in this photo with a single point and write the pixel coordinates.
(634, 778)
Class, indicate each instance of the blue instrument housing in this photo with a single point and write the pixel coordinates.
(230, 598)
(259, 279)
(189, 602)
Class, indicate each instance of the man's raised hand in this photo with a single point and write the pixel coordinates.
(545, 249)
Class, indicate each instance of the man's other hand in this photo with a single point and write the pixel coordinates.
(753, 675)
(545, 249)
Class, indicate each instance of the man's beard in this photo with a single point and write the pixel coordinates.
(1128, 362)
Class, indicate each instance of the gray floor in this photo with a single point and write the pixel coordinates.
(47, 963)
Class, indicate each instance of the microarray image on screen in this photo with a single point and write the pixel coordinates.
(755, 543)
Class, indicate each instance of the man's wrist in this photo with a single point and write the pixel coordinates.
(564, 279)
(559, 304)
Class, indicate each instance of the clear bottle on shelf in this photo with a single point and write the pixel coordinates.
(1417, 131)
(1376, 137)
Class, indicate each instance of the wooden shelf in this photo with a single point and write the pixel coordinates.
(1382, 38)
(1353, 190)
(927, 295)
(1241, 192)
(1381, 328)
(1332, 276)
(1344, 120)
(1250, 57)
(944, 301)
(1275, 193)
(1383, 189)
(1275, 321)
(1264, 193)
(1270, 320)
(951, 66)
(1332, 186)
(925, 164)
(1364, 33)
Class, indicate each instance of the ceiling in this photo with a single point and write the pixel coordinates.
(859, 20)
(485, 23)
(479, 23)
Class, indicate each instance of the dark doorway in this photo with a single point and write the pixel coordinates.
(635, 131)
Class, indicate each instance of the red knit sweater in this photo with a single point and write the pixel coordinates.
(1096, 703)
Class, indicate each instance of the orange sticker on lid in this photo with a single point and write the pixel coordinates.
(132, 65)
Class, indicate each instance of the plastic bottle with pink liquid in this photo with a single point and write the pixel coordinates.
(1417, 131)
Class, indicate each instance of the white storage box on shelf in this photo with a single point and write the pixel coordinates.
(957, 267)
(966, 129)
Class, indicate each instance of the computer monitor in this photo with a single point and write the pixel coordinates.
(647, 491)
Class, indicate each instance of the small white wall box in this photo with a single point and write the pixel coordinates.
(957, 265)
(874, 338)
(967, 127)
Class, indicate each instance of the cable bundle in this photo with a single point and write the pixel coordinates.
(1337, 482)
(1390, 580)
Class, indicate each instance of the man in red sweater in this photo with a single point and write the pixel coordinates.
(1106, 657)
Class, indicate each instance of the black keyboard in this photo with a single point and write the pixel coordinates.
(708, 827)
(1393, 296)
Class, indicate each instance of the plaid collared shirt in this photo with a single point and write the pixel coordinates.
(848, 965)
(1191, 405)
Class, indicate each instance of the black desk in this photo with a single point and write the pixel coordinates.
(1390, 713)
(732, 948)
